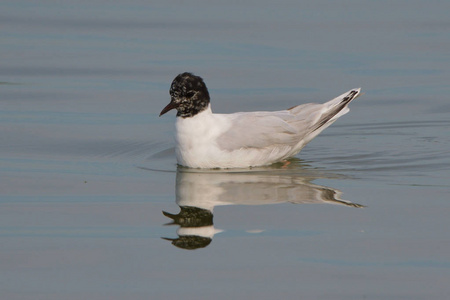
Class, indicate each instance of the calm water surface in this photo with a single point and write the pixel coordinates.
(93, 206)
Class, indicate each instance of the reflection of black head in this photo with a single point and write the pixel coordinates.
(190, 242)
(191, 216)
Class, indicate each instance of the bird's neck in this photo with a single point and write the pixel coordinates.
(195, 111)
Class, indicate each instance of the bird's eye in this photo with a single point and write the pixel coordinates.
(190, 94)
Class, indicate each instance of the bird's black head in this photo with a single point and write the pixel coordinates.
(189, 95)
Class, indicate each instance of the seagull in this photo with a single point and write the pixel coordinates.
(207, 140)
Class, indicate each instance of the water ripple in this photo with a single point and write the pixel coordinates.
(387, 150)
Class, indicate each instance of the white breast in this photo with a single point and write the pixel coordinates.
(196, 139)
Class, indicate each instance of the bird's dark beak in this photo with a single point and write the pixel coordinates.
(169, 106)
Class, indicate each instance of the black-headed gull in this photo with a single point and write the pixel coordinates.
(244, 139)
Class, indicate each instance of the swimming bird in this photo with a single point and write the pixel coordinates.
(244, 139)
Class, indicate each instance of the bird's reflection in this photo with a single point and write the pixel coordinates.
(198, 192)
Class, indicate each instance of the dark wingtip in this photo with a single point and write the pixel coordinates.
(353, 94)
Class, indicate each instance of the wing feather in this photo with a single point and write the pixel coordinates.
(286, 127)
(263, 129)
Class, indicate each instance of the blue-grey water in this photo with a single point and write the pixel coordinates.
(93, 206)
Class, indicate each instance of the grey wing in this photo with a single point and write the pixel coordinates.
(286, 127)
(264, 129)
